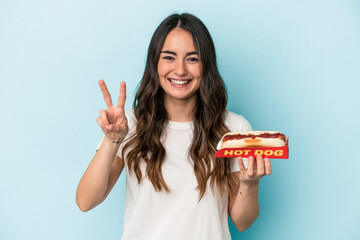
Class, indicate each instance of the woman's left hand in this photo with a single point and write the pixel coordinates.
(256, 168)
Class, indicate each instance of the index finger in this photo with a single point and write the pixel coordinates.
(106, 94)
(122, 96)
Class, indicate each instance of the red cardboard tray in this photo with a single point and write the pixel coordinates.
(269, 152)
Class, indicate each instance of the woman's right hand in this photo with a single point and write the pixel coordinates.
(112, 120)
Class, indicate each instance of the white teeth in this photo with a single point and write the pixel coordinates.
(177, 82)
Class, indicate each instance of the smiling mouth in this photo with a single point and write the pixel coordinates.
(179, 81)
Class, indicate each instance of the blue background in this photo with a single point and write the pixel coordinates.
(291, 66)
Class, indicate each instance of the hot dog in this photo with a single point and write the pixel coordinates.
(253, 139)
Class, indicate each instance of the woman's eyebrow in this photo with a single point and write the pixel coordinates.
(192, 53)
(174, 53)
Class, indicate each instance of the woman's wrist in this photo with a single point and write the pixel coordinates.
(249, 186)
(112, 141)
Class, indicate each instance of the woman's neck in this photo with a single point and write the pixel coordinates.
(180, 110)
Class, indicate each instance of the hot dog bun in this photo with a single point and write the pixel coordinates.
(253, 139)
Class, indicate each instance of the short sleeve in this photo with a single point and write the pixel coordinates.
(245, 126)
(132, 125)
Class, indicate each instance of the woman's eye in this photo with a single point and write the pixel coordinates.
(193, 59)
(168, 58)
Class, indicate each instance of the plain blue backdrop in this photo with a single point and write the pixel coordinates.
(291, 66)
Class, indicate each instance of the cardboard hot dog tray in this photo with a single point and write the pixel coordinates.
(265, 152)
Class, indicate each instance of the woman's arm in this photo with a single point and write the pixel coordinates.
(100, 176)
(244, 205)
(105, 168)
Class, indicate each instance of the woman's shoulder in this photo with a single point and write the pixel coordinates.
(236, 122)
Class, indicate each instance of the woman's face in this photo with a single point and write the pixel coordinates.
(179, 67)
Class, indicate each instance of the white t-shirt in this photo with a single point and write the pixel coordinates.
(176, 215)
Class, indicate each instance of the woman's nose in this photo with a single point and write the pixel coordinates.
(180, 68)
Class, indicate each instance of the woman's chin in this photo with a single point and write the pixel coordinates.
(180, 96)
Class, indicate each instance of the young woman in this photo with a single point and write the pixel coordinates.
(175, 188)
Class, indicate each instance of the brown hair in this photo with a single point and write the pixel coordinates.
(151, 116)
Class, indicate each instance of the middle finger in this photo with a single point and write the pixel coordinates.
(122, 96)
(260, 165)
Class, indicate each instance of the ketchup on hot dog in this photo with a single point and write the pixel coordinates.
(263, 135)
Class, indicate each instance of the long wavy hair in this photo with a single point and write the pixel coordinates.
(151, 116)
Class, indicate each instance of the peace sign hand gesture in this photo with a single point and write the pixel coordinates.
(112, 120)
